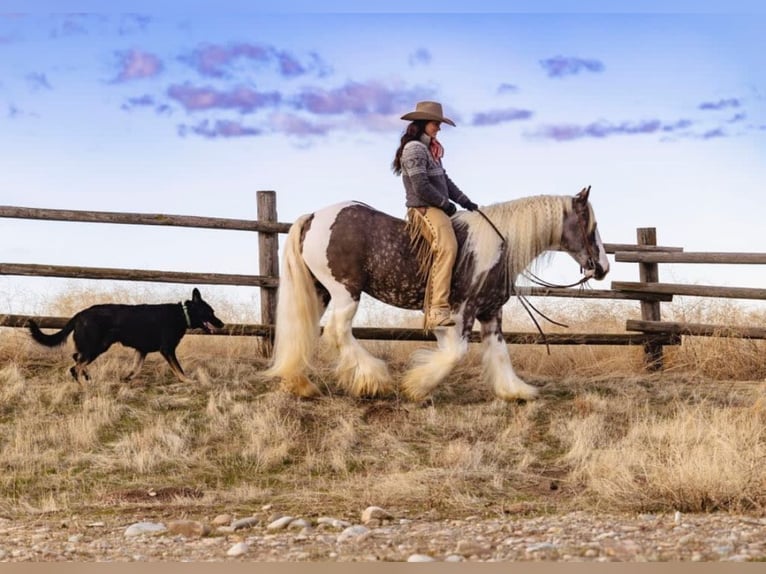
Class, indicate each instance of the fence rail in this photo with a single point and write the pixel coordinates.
(650, 332)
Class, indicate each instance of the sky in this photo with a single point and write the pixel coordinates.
(660, 107)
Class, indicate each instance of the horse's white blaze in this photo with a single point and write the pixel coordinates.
(603, 260)
(431, 366)
(498, 372)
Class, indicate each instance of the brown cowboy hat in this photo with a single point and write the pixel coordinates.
(428, 111)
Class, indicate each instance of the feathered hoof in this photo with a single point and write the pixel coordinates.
(414, 393)
(519, 392)
(300, 386)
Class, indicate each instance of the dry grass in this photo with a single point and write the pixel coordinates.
(604, 435)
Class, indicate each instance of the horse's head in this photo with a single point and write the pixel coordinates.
(580, 237)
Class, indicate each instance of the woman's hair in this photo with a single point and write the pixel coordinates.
(413, 132)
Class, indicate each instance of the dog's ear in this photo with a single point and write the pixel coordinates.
(195, 295)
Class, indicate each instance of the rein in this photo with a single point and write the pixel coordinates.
(528, 307)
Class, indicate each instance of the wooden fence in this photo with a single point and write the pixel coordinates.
(650, 331)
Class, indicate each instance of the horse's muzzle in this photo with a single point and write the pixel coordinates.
(596, 272)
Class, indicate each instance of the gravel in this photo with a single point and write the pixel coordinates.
(573, 537)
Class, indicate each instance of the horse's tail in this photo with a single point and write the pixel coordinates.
(54, 339)
(298, 314)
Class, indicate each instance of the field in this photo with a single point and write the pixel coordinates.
(605, 434)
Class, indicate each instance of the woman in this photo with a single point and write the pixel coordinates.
(428, 193)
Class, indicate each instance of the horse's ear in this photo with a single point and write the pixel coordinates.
(196, 295)
(583, 195)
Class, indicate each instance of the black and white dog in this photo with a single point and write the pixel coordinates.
(145, 328)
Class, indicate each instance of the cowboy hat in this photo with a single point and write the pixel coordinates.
(428, 111)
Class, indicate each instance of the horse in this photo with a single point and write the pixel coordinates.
(343, 250)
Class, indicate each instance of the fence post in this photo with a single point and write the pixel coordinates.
(268, 255)
(650, 310)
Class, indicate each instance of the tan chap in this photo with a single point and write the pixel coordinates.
(436, 228)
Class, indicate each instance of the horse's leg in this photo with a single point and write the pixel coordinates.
(357, 370)
(299, 307)
(496, 363)
(430, 366)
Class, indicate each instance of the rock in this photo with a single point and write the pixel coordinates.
(541, 546)
(357, 532)
(248, 522)
(280, 523)
(238, 549)
(140, 528)
(372, 513)
(299, 524)
(470, 548)
(222, 520)
(420, 558)
(333, 522)
(188, 528)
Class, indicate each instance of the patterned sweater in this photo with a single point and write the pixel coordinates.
(425, 181)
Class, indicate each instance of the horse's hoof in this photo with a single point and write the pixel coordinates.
(301, 387)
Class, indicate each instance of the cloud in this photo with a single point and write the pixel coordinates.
(218, 129)
(71, 25)
(604, 129)
(294, 125)
(420, 56)
(736, 118)
(146, 101)
(720, 104)
(15, 112)
(360, 99)
(136, 65)
(507, 89)
(495, 117)
(132, 24)
(240, 98)
(560, 66)
(38, 82)
(714, 133)
(214, 61)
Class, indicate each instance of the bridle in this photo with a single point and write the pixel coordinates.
(591, 260)
(528, 307)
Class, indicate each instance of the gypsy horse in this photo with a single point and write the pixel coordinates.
(337, 253)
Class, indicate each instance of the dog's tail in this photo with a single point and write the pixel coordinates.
(52, 340)
(298, 312)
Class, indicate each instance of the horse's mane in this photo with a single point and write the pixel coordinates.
(530, 225)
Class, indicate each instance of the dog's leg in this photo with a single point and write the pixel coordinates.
(136, 366)
(79, 371)
(170, 357)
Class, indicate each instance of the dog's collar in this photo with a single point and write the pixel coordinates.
(186, 315)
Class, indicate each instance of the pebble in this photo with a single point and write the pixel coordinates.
(356, 532)
(188, 528)
(572, 537)
(238, 549)
(333, 522)
(222, 520)
(141, 528)
(420, 558)
(248, 522)
(280, 523)
(374, 513)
